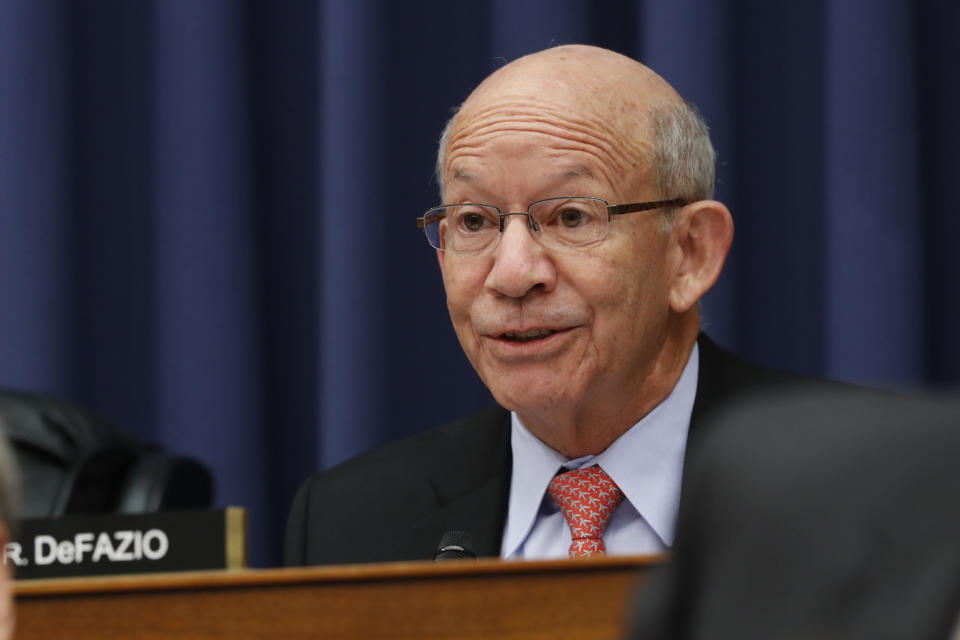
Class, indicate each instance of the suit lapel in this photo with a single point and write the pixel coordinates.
(471, 497)
(480, 513)
(723, 376)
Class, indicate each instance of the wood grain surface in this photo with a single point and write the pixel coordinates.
(485, 599)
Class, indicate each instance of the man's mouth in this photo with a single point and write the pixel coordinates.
(527, 336)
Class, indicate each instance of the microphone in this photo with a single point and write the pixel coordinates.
(455, 545)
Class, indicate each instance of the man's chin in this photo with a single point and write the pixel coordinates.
(532, 400)
(535, 384)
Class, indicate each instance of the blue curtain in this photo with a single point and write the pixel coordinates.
(206, 208)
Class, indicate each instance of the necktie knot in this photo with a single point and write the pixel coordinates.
(587, 498)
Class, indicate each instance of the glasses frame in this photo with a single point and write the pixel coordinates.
(612, 210)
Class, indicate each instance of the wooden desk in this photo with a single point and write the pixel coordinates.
(486, 599)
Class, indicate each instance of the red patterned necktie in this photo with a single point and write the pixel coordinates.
(587, 498)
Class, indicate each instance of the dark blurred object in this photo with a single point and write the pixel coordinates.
(840, 521)
(455, 545)
(71, 462)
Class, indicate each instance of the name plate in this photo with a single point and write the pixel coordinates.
(104, 544)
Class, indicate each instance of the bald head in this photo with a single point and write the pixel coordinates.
(584, 76)
(639, 125)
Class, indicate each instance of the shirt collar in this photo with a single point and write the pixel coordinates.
(646, 462)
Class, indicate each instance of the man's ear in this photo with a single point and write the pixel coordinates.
(702, 231)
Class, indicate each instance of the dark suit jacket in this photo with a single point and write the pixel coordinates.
(395, 502)
(827, 514)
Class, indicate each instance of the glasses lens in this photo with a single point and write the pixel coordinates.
(462, 228)
(571, 221)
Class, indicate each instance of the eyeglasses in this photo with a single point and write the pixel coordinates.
(567, 221)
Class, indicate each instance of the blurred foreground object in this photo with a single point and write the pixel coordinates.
(840, 521)
(71, 462)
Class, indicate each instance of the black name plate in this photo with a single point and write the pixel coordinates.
(90, 545)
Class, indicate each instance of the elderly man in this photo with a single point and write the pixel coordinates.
(578, 235)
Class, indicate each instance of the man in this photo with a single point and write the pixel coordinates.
(572, 285)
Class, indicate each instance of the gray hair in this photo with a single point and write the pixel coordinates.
(9, 485)
(683, 156)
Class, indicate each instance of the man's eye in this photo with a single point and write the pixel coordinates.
(572, 218)
(472, 221)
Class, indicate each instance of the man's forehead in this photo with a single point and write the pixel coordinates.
(578, 88)
(545, 142)
(460, 173)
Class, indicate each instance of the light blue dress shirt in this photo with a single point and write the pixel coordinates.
(646, 462)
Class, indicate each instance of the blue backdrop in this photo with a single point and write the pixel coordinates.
(206, 208)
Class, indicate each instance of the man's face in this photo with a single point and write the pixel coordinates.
(549, 328)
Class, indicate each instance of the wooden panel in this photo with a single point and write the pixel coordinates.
(487, 599)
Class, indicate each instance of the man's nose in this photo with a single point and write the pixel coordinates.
(520, 262)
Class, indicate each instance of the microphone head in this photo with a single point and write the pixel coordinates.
(455, 545)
